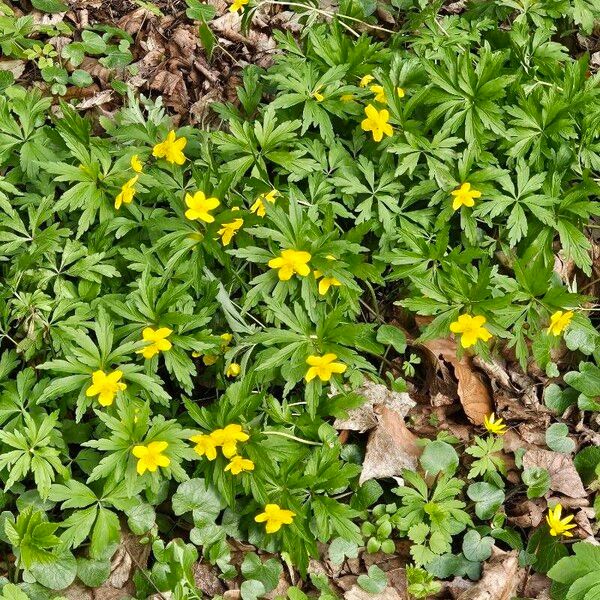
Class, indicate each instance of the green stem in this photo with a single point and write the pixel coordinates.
(289, 436)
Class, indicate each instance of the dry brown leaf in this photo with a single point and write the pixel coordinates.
(171, 85)
(365, 417)
(563, 475)
(499, 580)
(16, 67)
(474, 394)
(390, 449)
(98, 99)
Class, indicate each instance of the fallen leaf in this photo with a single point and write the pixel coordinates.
(16, 67)
(499, 580)
(563, 475)
(390, 449)
(364, 417)
(98, 99)
(473, 393)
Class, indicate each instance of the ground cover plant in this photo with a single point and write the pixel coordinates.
(339, 342)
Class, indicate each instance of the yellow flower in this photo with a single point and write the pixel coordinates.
(233, 370)
(323, 367)
(290, 262)
(125, 196)
(318, 96)
(380, 93)
(275, 517)
(151, 457)
(238, 5)
(105, 386)
(228, 230)
(211, 359)
(366, 80)
(228, 438)
(199, 206)
(494, 425)
(136, 163)
(239, 464)
(347, 97)
(559, 321)
(205, 446)
(158, 341)
(326, 283)
(258, 207)
(464, 196)
(171, 149)
(471, 328)
(377, 122)
(557, 525)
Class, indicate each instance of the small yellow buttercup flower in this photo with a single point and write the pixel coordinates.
(464, 196)
(380, 93)
(199, 207)
(471, 330)
(377, 122)
(211, 359)
(290, 262)
(365, 81)
(205, 446)
(228, 437)
(105, 386)
(157, 339)
(326, 282)
(318, 96)
(323, 367)
(239, 464)
(233, 370)
(557, 525)
(228, 230)
(151, 456)
(125, 196)
(136, 163)
(171, 149)
(238, 5)
(559, 321)
(494, 425)
(259, 207)
(274, 517)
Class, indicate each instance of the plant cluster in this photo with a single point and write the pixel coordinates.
(182, 311)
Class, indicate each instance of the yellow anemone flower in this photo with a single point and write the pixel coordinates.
(157, 339)
(199, 207)
(151, 456)
(233, 370)
(323, 367)
(136, 164)
(290, 262)
(274, 517)
(377, 122)
(105, 386)
(171, 149)
(228, 437)
(228, 230)
(205, 446)
(238, 5)
(559, 321)
(259, 207)
(125, 196)
(464, 196)
(239, 464)
(326, 283)
(471, 330)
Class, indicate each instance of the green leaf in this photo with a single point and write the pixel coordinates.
(390, 335)
(201, 498)
(537, 480)
(56, 572)
(475, 547)
(439, 456)
(340, 549)
(487, 497)
(93, 573)
(557, 438)
(267, 572)
(50, 6)
(374, 582)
